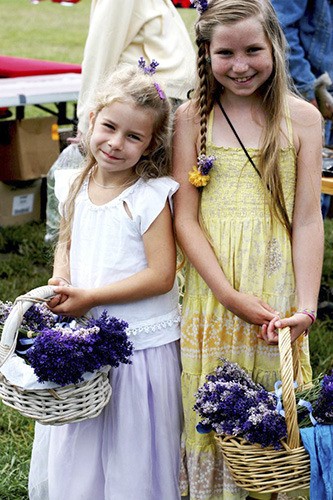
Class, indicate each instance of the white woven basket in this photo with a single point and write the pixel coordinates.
(267, 470)
(56, 406)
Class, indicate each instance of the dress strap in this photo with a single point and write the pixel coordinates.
(288, 124)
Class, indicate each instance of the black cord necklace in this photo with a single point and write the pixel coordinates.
(280, 205)
(238, 138)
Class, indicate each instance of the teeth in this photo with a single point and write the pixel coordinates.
(242, 79)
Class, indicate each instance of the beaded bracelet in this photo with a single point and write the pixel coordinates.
(309, 312)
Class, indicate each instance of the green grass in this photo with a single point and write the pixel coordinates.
(45, 31)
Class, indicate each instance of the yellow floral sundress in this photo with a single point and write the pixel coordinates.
(255, 254)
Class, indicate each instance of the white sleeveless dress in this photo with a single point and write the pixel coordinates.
(130, 451)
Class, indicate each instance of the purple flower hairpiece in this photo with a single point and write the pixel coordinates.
(151, 70)
(199, 175)
(159, 90)
(200, 5)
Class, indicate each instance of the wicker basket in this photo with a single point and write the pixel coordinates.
(57, 406)
(267, 470)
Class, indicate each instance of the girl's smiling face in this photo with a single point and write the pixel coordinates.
(241, 56)
(122, 132)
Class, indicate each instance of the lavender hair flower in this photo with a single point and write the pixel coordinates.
(205, 163)
(148, 69)
(199, 175)
(159, 91)
(200, 5)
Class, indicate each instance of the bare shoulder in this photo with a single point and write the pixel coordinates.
(303, 112)
(187, 115)
(307, 122)
(186, 126)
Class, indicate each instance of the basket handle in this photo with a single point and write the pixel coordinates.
(15, 317)
(290, 371)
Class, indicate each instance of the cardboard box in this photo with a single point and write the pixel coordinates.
(28, 148)
(20, 202)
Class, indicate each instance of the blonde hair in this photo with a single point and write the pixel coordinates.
(274, 91)
(127, 85)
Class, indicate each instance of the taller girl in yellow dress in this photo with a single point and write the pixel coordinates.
(247, 215)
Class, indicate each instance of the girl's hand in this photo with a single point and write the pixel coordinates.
(57, 299)
(77, 303)
(251, 309)
(298, 324)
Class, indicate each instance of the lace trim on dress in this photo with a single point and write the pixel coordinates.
(161, 325)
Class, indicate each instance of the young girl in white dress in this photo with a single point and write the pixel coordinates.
(116, 250)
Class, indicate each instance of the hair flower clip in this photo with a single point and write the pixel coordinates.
(151, 70)
(199, 175)
(200, 5)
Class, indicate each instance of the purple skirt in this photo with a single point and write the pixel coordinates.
(129, 452)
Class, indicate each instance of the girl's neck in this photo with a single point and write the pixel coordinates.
(246, 115)
(243, 104)
(105, 188)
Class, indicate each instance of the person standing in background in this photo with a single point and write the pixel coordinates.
(308, 27)
(122, 32)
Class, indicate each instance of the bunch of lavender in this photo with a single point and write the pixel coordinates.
(323, 407)
(62, 354)
(231, 403)
(35, 319)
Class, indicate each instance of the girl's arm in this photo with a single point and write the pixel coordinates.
(61, 269)
(307, 227)
(189, 233)
(156, 279)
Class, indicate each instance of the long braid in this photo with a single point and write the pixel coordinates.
(202, 98)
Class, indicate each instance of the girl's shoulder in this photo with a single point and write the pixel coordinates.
(186, 130)
(63, 180)
(160, 186)
(303, 112)
(187, 114)
(148, 193)
(306, 120)
(148, 198)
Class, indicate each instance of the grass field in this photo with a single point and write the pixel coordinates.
(52, 32)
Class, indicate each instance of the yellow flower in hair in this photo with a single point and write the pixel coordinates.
(198, 176)
(197, 179)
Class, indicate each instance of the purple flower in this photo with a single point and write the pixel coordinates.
(159, 91)
(200, 5)
(35, 319)
(231, 403)
(323, 407)
(64, 353)
(148, 69)
(205, 163)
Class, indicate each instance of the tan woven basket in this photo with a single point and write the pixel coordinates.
(267, 470)
(57, 406)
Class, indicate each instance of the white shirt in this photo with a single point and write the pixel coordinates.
(107, 246)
